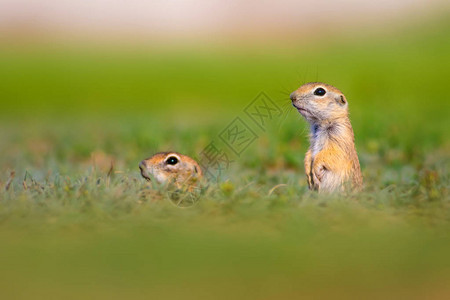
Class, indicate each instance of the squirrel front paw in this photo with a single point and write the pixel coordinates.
(318, 173)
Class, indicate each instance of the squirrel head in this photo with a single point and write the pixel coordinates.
(318, 102)
(170, 167)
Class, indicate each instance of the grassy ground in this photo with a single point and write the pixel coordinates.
(72, 226)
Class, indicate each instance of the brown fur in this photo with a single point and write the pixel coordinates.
(331, 160)
(185, 172)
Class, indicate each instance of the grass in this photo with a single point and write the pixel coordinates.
(72, 226)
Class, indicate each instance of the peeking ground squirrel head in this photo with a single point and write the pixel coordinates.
(318, 102)
(171, 167)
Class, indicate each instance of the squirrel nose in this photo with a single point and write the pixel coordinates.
(142, 165)
(293, 96)
(143, 168)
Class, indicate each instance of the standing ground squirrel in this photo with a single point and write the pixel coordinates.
(331, 160)
(171, 168)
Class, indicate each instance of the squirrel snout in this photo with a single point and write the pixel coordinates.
(142, 165)
(143, 168)
(293, 96)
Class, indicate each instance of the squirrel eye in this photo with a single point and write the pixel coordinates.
(319, 92)
(172, 160)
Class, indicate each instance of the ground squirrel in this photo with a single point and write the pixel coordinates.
(171, 168)
(331, 160)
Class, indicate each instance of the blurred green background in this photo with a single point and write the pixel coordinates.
(77, 116)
